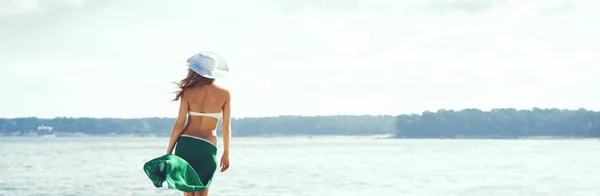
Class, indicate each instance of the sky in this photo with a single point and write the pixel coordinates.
(118, 58)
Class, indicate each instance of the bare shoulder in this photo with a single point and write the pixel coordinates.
(185, 93)
(222, 91)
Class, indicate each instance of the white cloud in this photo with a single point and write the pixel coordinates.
(12, 7)
(9, 8)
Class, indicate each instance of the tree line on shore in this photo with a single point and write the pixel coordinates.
(466, 123)
(500, 123)
(264, 126)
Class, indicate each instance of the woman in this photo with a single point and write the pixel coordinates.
(194, 162)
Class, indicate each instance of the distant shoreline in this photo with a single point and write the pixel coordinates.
(501, 123)
(378, 136)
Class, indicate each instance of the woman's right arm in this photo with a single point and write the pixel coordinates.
(226, 125)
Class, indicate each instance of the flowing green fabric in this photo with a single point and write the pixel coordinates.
(190, 169)
(175, 171)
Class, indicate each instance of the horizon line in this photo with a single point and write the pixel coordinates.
(319, 115)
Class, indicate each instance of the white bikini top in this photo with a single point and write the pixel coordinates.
(216, 115)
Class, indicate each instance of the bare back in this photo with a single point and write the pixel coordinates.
(204, 99)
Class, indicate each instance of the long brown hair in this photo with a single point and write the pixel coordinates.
(192, 79)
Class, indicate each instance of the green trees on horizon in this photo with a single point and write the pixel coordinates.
(281, 125)
(499, 123)
(466, 123)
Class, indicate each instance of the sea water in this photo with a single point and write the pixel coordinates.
(286, 166)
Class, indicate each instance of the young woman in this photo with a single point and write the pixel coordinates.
(202, 104)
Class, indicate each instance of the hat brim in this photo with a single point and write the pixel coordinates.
(222, 69)
(208, 73)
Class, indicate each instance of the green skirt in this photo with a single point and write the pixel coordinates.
(190, 169)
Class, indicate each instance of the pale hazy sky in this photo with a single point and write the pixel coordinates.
(117, 58)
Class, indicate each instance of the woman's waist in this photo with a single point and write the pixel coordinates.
(208, 134)
(210, 137)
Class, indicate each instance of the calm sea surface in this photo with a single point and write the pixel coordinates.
(318, 166)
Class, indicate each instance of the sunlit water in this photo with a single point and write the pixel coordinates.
(317, 166)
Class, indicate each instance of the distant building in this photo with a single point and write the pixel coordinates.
(45, 129)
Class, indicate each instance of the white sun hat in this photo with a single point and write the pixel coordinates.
(208, 64)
